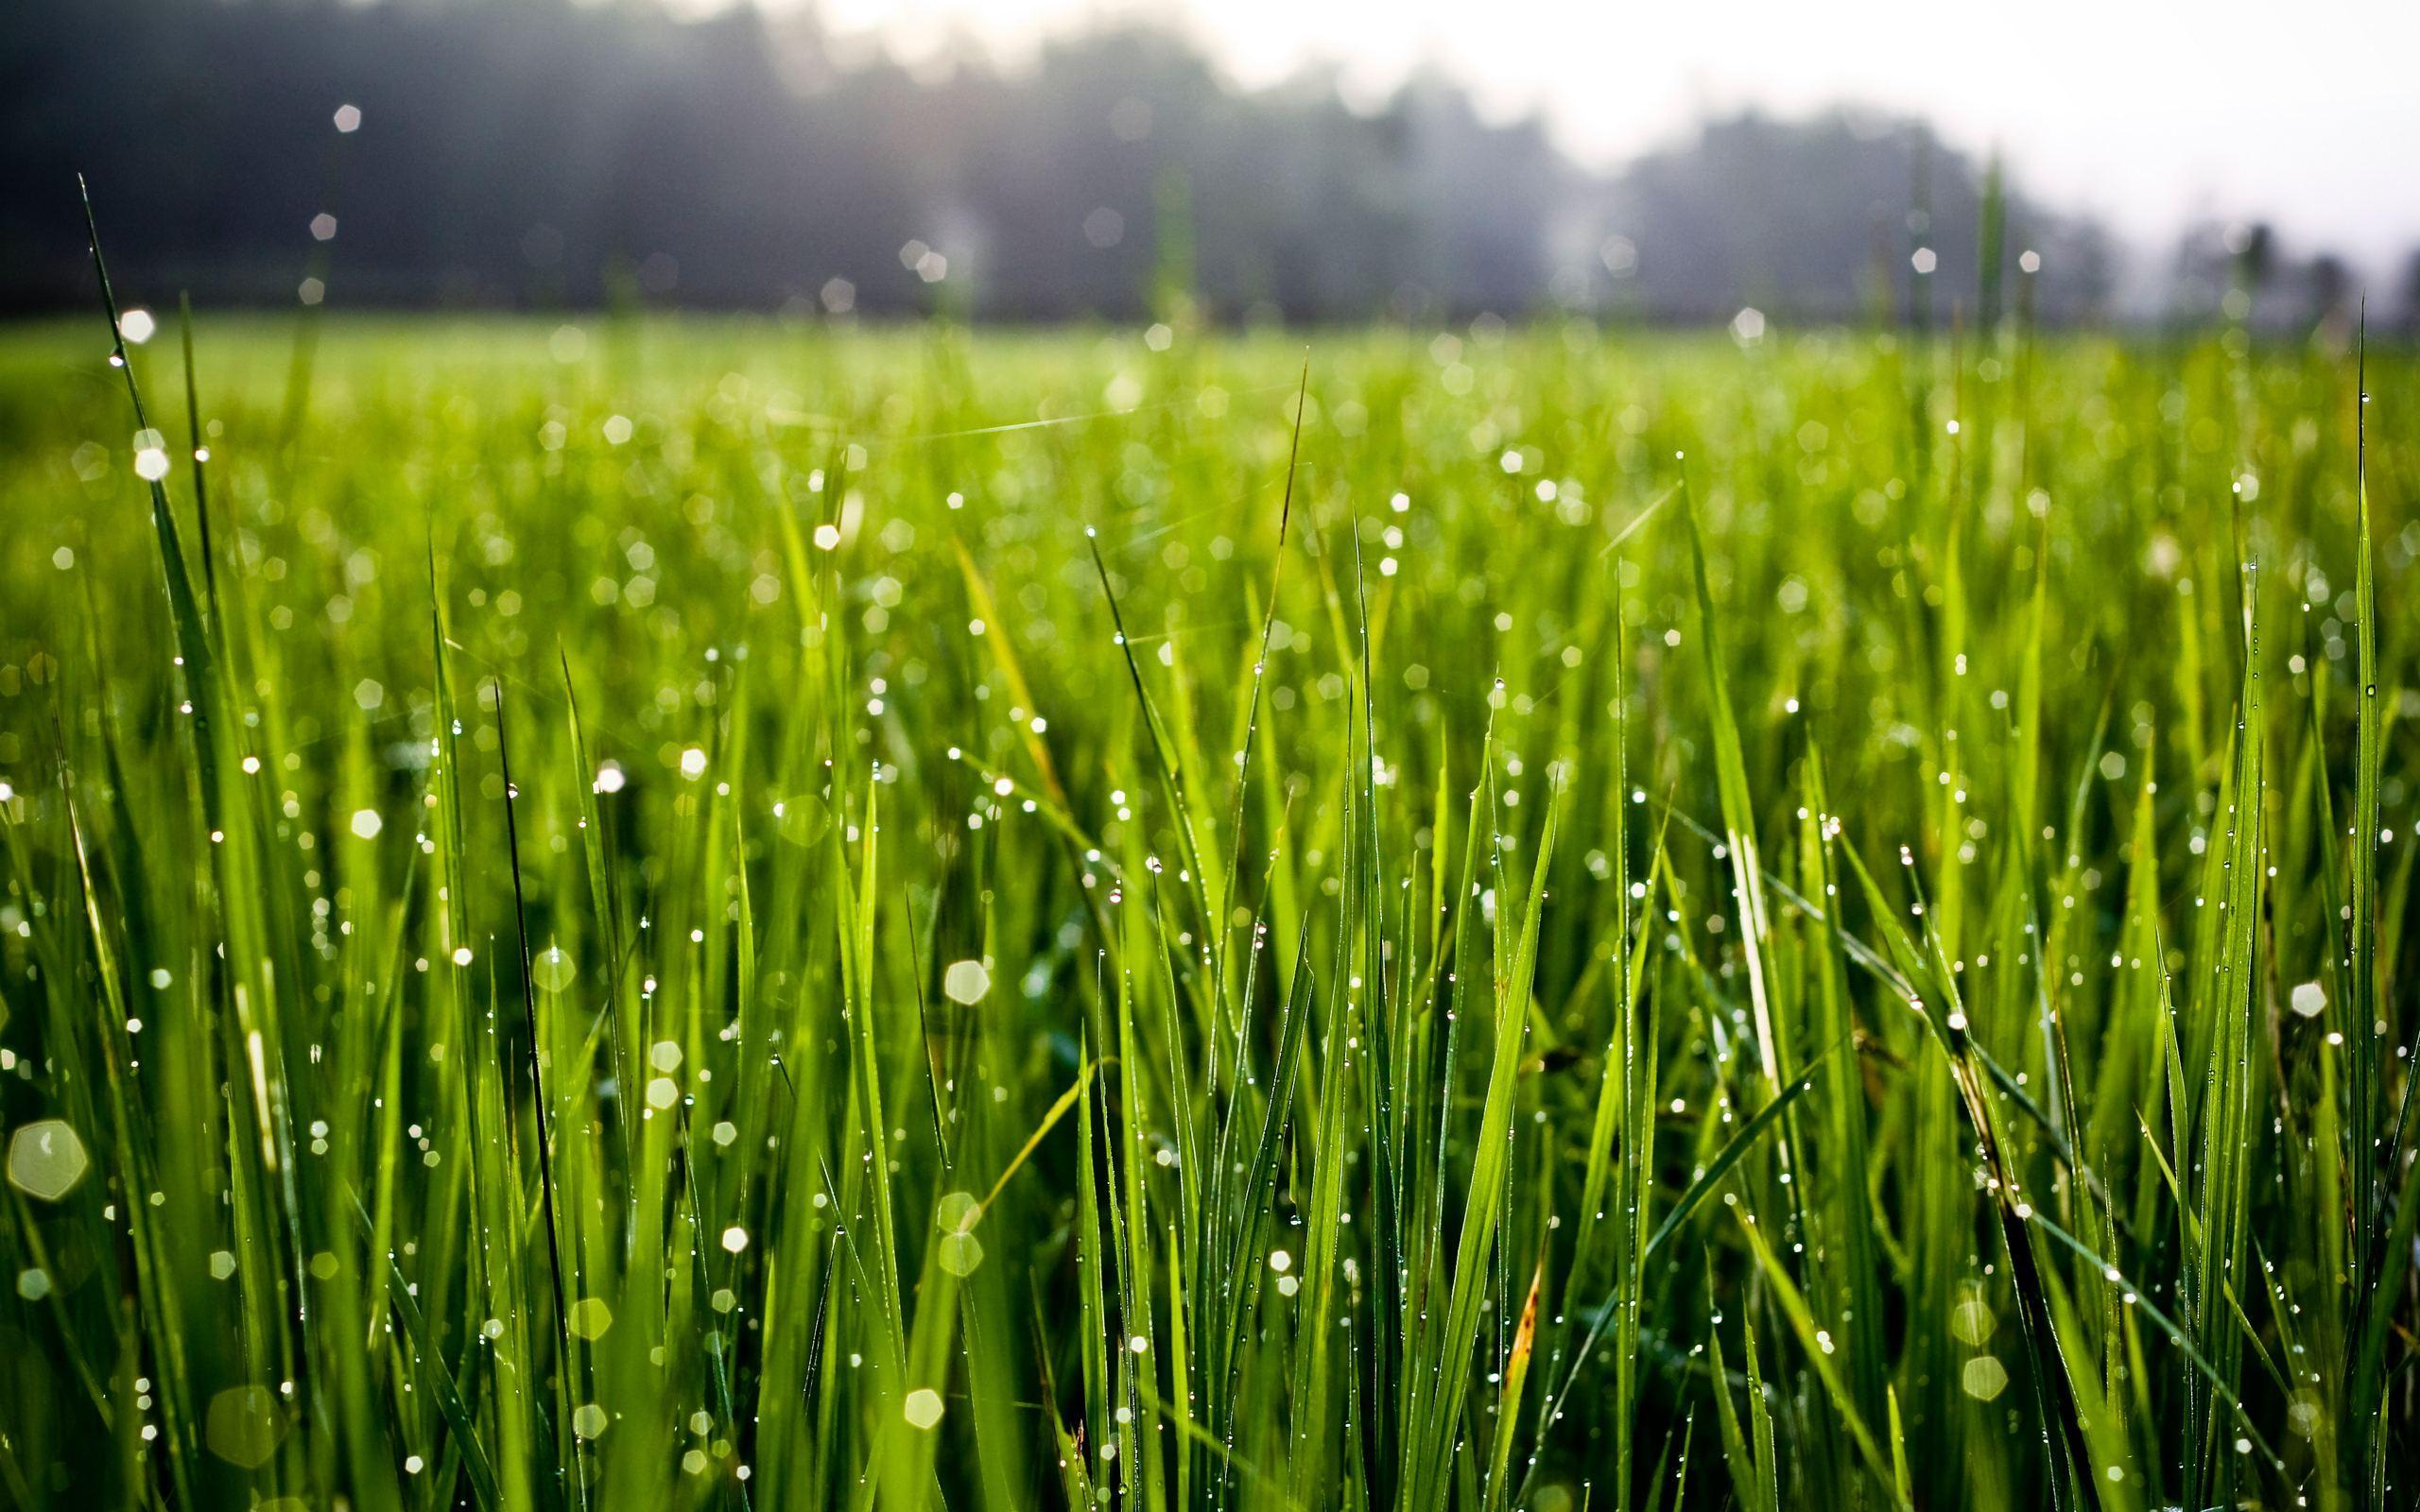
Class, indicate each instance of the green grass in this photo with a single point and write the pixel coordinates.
(707, 913)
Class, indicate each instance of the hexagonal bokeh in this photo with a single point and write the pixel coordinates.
(967, 982)
(1984, 1378)
(589, 1318)
(46, 1159)
(245, 1426)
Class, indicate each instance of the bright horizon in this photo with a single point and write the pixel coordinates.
(2113, 108)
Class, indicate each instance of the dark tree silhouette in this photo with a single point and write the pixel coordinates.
(541, 153)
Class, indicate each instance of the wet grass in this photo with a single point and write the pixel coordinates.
(719, 915)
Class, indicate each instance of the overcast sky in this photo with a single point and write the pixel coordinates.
(2145, 113)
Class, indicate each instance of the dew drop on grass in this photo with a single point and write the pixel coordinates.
(923, 1408)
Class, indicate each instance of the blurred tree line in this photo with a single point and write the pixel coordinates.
(541, 153)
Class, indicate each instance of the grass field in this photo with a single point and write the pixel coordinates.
(682, 914)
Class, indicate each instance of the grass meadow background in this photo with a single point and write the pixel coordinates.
(692, 913)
